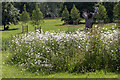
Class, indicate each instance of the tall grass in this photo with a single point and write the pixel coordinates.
(78, 51)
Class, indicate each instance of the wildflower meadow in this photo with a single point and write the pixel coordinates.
(79, 51)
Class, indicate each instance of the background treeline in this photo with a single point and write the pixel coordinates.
(108, 11)
(55, 9)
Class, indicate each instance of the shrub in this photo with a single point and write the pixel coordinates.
(79, 51)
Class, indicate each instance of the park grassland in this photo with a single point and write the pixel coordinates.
(12, 71)
(48, 25)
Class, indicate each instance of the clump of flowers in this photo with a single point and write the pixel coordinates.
(80, 51)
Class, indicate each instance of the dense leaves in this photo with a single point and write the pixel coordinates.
(116, 11)
(75, 15)
(65, 15)
(37, 16)
(9, 14)
(109, 8)
(50, 9)
(102, 16)
(24, 17)
(55, 9)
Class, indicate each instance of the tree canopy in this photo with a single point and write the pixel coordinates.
(10, 14)
(37, 16)
(24, 17)
(65, 15)
(116, 11)
(109, 8)
(75, 15)
(102, 16)
(108, 12)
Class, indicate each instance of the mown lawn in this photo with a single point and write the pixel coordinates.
(48, 25)
(11, 71)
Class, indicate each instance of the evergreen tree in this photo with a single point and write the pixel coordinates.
(50, 9)
(30, 6)
(24, 17)
(65, 15)
(116, 11)
(102, 13)
(75, 15)
(10, 14)
(37, 16)
(109, 8)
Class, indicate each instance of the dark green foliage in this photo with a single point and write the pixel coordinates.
(61, 8)
(80, 6)
(116, 11)
(55, 9)
(9, 14)
(65, 15)
(50, 9)
(24, 17)
(102, 13)
(20, 5)
(37, 16)
(109, 8)
(75, 15)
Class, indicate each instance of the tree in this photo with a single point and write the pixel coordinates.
(80, 6)
(61, 8)
(102, 13)
(116, 11)
(109, 8)
(37, 16)
(75, 15)
(24, 17)
(65, 15)
(9, 14)
(50, 9)
(30, 6)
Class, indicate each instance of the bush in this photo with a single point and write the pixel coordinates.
(79, 51)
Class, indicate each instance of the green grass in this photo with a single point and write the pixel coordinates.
(11, 71)
(0, 64)
(48, 25)
(15, 72)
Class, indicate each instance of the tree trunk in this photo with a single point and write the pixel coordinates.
(4, 27)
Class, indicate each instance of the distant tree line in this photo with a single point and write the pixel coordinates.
(55, 9)
(106, 11)
(71, 12)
